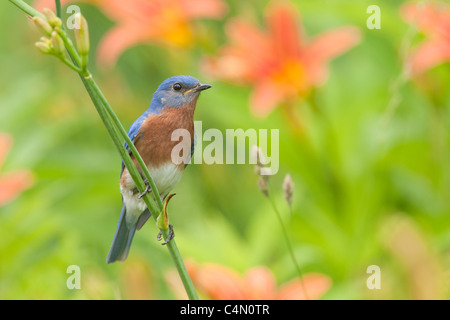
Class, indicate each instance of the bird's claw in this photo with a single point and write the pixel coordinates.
(169, 237)
(146, 190)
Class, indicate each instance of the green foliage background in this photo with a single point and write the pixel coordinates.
(353, 194)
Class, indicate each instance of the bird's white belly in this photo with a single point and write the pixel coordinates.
(165, 177)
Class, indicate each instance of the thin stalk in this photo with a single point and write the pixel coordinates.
(101, 101)
(87, 75)
(27, 8)
(71, 49)
(58, 9)
(116, 131)
(92, 86)
(130, 143)
(288, 244)
(171, 245)
(94, 90)
(70, 65)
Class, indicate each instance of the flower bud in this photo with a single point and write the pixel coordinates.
(45, 40)
(163, 219)
(263, 187)
(82, 35)
(43, 25)
(57, 43)
(52, 19)
(257, 156)
(288, 189)
(44, 47)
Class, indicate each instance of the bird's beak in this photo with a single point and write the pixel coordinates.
(199, 88)
(202, 87)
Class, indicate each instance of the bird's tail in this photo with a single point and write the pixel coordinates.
(122, 240)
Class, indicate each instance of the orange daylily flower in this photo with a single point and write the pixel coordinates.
(434, 21)
(11, 183)
(279, 62)
(165, 22)
(218, 282)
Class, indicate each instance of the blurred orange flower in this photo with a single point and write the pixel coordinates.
(433, 20)
(140, 21)
(11, 183)
(280, 62)
(137, 280)
(217, 282)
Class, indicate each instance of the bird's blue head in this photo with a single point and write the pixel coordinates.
(176, 92)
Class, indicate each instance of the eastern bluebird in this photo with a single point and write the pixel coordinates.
(172, 107)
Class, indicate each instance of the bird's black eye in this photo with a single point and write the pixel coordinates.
(177, 86)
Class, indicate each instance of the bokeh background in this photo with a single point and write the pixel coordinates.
(367, 150)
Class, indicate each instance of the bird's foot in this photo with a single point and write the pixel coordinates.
(147, 189)
(170, 236)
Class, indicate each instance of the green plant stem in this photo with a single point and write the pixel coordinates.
(70, 64)
(130, 143)
(171, 245)
(94, 91)
(71, 50)
(115, 135)
(100, 103)
(27, 8)
(87, 75)
(58, 9)
(116, 131)
(288, 244)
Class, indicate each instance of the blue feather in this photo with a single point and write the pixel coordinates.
(121, 243)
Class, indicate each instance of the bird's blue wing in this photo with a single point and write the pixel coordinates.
(193, 145)
(134, 131)
(121, 243)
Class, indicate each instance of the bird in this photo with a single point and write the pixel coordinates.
(172, 107)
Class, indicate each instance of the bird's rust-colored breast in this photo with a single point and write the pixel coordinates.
(154, 139)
